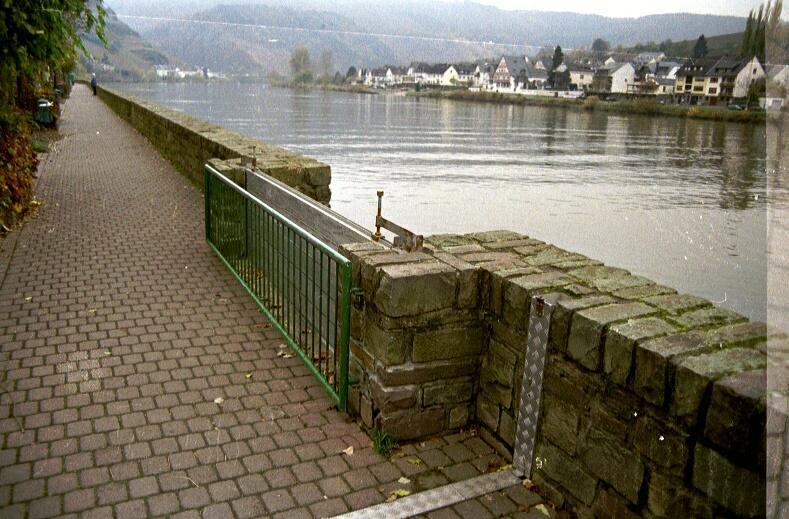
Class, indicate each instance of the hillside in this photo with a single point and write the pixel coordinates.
(127, 55)
(429, 22)
(717, 46)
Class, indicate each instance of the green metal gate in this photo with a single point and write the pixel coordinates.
(301, 284)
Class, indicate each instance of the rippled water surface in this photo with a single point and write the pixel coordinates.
(680, 201)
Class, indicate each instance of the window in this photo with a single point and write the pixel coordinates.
(713, 90)
(754, 71)
(698, 88)
(713, 80)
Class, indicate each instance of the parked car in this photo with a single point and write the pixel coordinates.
(736, 108)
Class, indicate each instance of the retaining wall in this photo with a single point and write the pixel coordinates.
(189, 143)
(654, 402)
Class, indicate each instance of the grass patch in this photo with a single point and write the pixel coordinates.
(383, 442)
(40, 146)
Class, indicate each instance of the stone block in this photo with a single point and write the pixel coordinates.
(736, 417)
(415, 288)
(409, 373)
(586, 330)
(463, 249)
(511, 244)
(388, 346)
(708, 317)
(694, 375)
(389, 399)
(598, 275)
(498, 281)
(448, 392)
(411, 425)
(614, 413)
(559, 424)
(676, 304)
(448, 343)
(507, 428)
(563, 313)
(652, 362)
(642, 291)
(609, 460)
(442, 241)
(372, 263)
(497, 376)
(565, 471)
(488, 413)
(662, 444)
(498, 235)
(366, 410)
(621, 340)
(741, 491)
(519, 291)
(610, 505)
(469, 277)
(668, 496)
(459, 416)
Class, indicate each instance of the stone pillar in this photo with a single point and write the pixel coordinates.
(416, 340)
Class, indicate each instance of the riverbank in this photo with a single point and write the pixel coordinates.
(330, 87)
(641, 107)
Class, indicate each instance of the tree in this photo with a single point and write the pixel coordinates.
(700, 49)
(760, 28)
(38, 39)
(325, 65)
(558, 59)
(352, 72)
(300, 61)
(600, 45)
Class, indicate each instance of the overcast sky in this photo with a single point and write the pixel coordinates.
(620, 8)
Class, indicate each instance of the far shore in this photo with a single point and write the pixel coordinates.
(637, 106)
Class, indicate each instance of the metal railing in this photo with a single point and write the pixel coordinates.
(301, 284)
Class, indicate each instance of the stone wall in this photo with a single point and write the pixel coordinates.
(654, 402)
(189, 143)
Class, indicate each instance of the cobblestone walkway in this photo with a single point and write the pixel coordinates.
(125, 347)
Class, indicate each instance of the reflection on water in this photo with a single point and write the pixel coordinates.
(680, 201)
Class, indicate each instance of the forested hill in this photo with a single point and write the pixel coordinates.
(355, 31)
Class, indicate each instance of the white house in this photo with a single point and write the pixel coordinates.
(581, 77)
(614, 79)
(730, 78)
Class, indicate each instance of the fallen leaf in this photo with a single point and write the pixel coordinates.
(404, 480)
(218, 400)
(414, 461)
(391, 498)
(107, 352)
(488, 498)
(401, 492)
(287, 356)
(543, 510)
(30, 298)
(349, 451)
(263, 325)
(528, 484)
(508, 466)
(248, 375)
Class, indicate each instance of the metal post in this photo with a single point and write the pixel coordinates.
(377, 236)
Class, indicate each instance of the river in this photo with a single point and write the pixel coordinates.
(683, 202)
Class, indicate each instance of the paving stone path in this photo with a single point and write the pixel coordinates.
(125, 346)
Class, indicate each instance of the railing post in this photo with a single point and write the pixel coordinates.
(207, 197)
(345, 336)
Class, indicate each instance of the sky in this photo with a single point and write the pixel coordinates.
(631, 8)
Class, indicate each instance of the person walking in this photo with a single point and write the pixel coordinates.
(93, 82)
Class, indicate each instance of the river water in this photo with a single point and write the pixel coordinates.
(683, 202)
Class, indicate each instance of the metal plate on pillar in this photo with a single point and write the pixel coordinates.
(531, 385)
